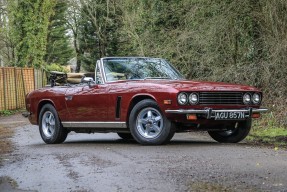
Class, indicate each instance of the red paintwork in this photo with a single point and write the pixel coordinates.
(98, 102)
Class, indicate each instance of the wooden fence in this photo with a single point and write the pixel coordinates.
(15, 83)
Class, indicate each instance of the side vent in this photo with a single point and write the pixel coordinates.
(118, 107)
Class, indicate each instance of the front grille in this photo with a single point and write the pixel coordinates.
(220, 98)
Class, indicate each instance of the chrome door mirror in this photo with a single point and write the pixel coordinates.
(87, 80)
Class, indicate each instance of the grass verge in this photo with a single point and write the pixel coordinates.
(267, 131)
(4, 113)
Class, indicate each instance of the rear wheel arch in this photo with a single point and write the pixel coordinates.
(41, 104)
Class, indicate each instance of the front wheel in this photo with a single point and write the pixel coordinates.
(50, 127)
(148, 125)
(234, 134)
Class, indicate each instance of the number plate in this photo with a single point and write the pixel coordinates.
(229, 115)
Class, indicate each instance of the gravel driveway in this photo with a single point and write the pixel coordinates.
(104, 162)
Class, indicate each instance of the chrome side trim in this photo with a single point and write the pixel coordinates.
(186, 111)
(97, 124)
(210, 112)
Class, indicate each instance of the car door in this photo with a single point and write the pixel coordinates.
(87, 103)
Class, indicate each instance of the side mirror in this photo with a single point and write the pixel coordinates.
(87, 80)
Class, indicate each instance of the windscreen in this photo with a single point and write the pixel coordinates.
(139, 68)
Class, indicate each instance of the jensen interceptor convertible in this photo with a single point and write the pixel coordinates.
(145, 99)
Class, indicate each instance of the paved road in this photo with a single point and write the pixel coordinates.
(104, 162)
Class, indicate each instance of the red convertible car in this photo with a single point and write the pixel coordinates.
(145, 99)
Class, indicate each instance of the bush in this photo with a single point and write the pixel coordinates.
(56, 67)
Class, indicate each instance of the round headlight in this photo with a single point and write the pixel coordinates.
(256, 99)
(246, 98)
(182, 98)
(193, 98)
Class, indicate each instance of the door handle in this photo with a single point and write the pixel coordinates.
(69, 97)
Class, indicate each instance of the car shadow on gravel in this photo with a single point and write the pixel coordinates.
(121, 142)
(189, 140)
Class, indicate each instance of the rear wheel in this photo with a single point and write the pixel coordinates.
(234, 134)
(50, 127)
(148, 125)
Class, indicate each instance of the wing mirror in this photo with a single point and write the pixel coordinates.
(88, 80)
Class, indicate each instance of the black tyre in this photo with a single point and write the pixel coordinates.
(234, 135)
(50, 127)
(125, 136)
(148, 125)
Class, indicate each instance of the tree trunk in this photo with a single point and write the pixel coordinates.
(78, 66)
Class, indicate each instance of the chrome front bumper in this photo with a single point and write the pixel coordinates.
(210, 113)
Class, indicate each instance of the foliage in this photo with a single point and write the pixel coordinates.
(58, 46)
(29, 22)
(56, 67)
(272, 135)
(99, 31)
(6, 47)
(233, 41)
(6, 113)
(10, 112)
(268, 131)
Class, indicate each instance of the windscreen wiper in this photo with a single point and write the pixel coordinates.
(157, 78)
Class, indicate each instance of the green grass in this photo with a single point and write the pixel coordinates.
(267, 131)
(273, 136)
(6, 113)
(10, 112)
